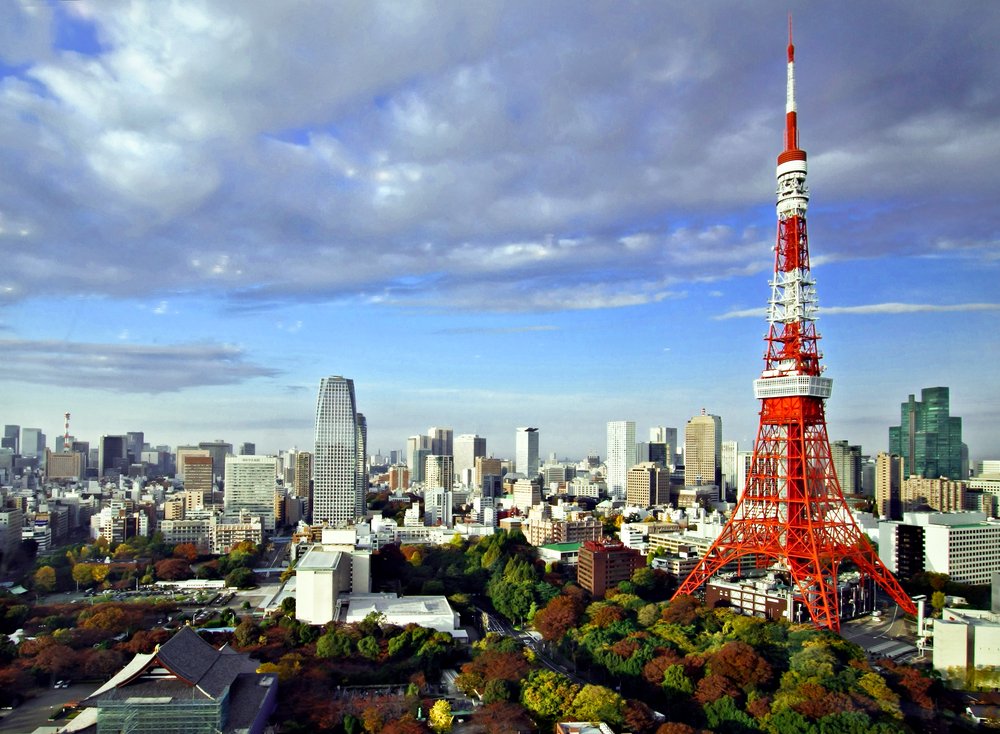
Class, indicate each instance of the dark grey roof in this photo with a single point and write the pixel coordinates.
(190, 657)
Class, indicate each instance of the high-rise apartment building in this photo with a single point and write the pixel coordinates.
(439, 471)
(621, 456)
(943, 495)
(526, 451)
(889, 471)
(703, 450)
(647, 484)
(250, 483)
(527, 493)
(302, 481)
(847, 465)
(338, 493)
(928, 439)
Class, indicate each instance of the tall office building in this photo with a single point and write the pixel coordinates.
(418, 448)
(11, 438)
(134, 443)
(468, 448)
(250, 483)
(247, 449)
(32, 442)
(730, 468)
(621, 456)
(526, 451)
(181, 457)
(928, 439)
(442, 441)
(338, 497)
(703, 450)
(218, 450)
(889, 470)
(112, 456)
(668, 436)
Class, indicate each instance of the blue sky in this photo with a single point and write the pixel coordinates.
(487, 214)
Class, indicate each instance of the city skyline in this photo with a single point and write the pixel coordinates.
(192, 243)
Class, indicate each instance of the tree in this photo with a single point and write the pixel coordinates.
(83, 574)
(503, 718)
(938, 602)
(186, 552)
(558, 617)
(440, 717)
(173, 569)
(741, 663)
(333, 644)
(597, 703)
(241, 578)
(547, 694)
(369, 647)
(45, 580)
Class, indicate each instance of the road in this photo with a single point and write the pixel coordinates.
(495, 623)
(35, 711)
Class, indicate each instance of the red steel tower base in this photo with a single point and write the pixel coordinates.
(793, 515)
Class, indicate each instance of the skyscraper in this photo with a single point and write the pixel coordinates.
(468, 448)
(526, 451)
(250, 483)
(703, 450)
(418, 448)
(442, 441)
(32, 442)
(338, 497)
(621, 456)
(112, 456)
(668, 436)
(928, 439)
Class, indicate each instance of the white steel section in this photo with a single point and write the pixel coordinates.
(793, 298)
(791, 386)
(793, 194)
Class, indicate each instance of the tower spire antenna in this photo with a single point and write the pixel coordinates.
(792, 516)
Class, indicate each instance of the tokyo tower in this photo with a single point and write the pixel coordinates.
(792, 514)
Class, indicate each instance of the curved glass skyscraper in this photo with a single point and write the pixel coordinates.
(339, 460)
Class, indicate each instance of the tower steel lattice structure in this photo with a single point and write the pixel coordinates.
(792, 516)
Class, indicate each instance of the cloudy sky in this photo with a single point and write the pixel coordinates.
(487, 214)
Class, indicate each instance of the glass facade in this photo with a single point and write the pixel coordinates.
(928, 438)
(338, 461)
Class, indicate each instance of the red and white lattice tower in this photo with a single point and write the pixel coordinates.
(792, 515)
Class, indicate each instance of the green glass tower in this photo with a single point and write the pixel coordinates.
(928, 438)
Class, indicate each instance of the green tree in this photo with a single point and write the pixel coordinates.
(45, 580)
(241, 578)
(547, 694)
(440, 717)
(333, 644)
(83, 574)
(368, 646)
(938, 602)
(676, 681)
(597, 703)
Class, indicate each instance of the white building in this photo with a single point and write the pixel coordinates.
(967, 647)
(468, 447)
(339, 459)
(250, 484)
(621, 456)
(320, 577)
(432, 612)
(961, 544)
